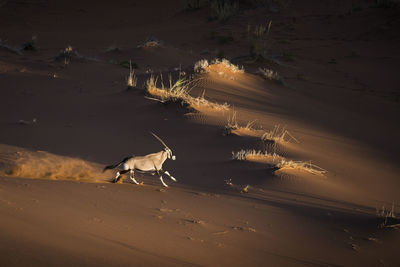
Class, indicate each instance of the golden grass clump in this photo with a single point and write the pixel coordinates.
(278, 161)
(232, 125)
(227, 64)
(301, 165)
(179, 91)
(203, 66)
(174, 92)
(131, 80)
(278, 134)
(256, 155)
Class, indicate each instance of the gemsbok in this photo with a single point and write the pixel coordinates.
(151, 163)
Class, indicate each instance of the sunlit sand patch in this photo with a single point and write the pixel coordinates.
(45, 165)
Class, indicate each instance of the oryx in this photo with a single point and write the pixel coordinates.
(151, 163)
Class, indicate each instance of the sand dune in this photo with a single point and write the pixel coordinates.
(293, 166)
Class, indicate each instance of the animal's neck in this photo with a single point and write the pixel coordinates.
(164, 155)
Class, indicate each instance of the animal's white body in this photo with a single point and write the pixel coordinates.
(148, 163)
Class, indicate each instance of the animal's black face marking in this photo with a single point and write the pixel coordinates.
(169, 154)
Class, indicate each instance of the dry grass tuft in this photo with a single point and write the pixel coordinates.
(245, 189)
(301, 165)
(131, 80)
(254, 155)
(66, 54)
(278, 134)
(270, 75)
(278, 161)
(179, 91)
(232, 125)
(222, 10)
(258, 41)
(203, 66)
(387, 218)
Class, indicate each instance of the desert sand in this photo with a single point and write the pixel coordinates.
(287, 151)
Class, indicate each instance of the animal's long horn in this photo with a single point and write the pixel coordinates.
(159, 139)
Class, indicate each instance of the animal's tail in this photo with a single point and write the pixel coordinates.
(109, 167)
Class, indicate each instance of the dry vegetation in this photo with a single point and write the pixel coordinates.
(277, 161)
(270, 75)
(301, 165)
(387, 217)
(254, 155)
(222, 10)
(278, 134)
(67, 54)
(131, 80)
(203, 66)
(258, 40)
(179, 92)
(232, 125)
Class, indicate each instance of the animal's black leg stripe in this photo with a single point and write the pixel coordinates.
(124, 171)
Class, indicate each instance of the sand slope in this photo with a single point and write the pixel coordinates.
(63, 120)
